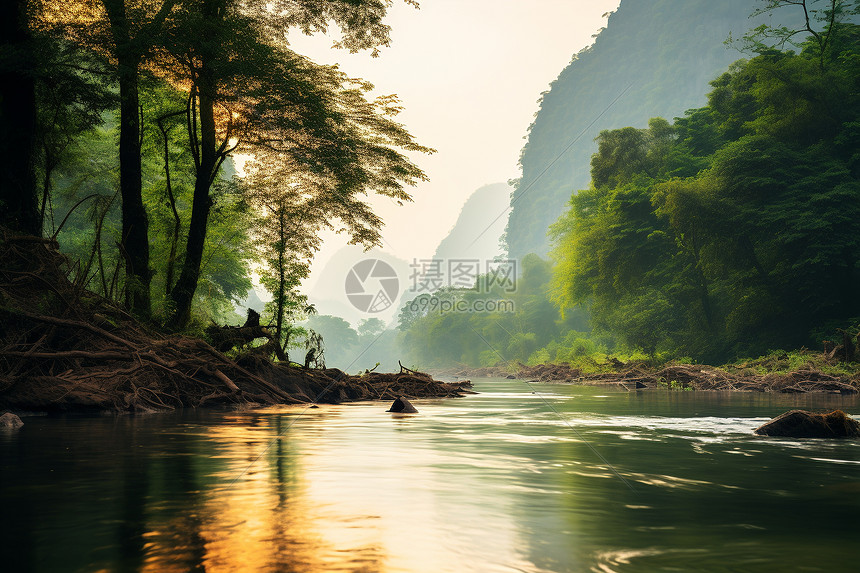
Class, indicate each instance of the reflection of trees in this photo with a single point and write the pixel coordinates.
(17, 528)
(133, 486)
(74, 494)
(175, 543)
(152, 494)
(204, 522)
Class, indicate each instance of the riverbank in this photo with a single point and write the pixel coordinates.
(65, 349)
(164, 382)
(799, 373)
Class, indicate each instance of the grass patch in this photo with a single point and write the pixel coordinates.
(783, 362)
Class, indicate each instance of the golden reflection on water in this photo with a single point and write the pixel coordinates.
(477, 486)
(242, 527)
(324, 498)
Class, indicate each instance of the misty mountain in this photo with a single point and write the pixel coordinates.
(327, 289)
(479, 227)
(654, 59)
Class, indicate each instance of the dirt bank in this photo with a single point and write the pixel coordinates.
(741, 377)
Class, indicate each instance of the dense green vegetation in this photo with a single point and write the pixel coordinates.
(492, 323)
(94, 229)
(727, 232)
(737, 228)
(732, 231)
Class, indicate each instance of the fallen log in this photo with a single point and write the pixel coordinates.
(225, 338)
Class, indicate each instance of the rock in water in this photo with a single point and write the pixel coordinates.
(10, 421)
(803, 424)
(402, 406)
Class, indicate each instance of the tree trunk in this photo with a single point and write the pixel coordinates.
(183, 292)
(171, 198)
(135, 222)
(134, 244)
(18, 202)
(280, 351)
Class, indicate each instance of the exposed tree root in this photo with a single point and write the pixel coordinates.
(63, 348)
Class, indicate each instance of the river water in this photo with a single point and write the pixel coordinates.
(541, 478)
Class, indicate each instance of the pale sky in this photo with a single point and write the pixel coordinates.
(469, 74)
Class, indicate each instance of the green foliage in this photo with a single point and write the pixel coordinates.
(735, 230)
(185, 85)
(450, 326)
(813, 27)
(317, 144)
(90, 168)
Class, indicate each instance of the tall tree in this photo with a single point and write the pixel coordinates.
(249, 90)
(201, 60)
(287, 233)
(133, 32)
(127, 31)
(18, 206)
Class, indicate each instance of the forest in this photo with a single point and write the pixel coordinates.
(727, 233)
(124, 125)
(173, 150)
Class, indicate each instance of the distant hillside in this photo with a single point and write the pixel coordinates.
(663, 53)
(478, 230)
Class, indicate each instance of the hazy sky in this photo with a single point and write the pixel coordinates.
(469, 74)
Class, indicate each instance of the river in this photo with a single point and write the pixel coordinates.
(518, 478)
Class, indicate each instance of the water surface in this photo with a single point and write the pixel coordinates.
(567, 478)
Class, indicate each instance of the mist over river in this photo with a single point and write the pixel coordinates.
(569, 478)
